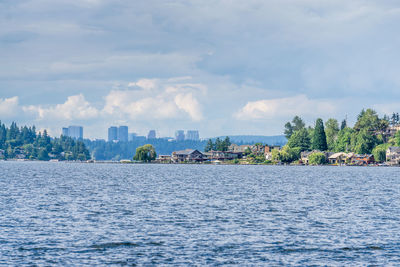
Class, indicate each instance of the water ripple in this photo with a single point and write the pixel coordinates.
(108, 214)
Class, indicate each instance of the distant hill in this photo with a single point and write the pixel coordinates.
(252, 139)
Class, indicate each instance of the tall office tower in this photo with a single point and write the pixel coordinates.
(75, 132)
(65, 131)
(151, 134)
(131, 136)
(123, 133)
(179, 135)
(112, 133)
(192, 135)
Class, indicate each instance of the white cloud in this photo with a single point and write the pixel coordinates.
(156, 99)
(9, 106)
(146, 84)
(75, 108)
(283, 107)
(189, 104)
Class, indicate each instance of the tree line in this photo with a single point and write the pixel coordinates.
(369, 135)
(25, 142)
(218, 145)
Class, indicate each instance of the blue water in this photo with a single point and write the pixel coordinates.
(111, 214)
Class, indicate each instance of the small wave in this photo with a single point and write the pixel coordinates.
(124, 244)
(114, 245)
(40, 249)
(154, 243)
(372, 247)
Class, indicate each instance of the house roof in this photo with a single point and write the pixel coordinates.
(393, 149)
(186, 152)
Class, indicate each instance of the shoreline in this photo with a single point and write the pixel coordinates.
(192, 163)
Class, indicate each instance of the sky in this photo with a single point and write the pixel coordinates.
(222, 67)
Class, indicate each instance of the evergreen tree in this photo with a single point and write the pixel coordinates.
(319, 138)
(225, 144)
(343, 142)
(300, 139)
(331, 131)
(218, 144)
(298, 124)
(343, 125)
(209, 146)
(288, 130)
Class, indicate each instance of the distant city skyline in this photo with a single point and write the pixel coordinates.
(73, 131)
(237, 68)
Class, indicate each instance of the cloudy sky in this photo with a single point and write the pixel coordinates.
(222, 67)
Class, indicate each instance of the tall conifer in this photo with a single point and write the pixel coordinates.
(319, 138)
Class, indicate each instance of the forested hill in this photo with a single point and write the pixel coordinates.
(25, 143)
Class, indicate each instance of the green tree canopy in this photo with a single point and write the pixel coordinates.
(343, 142)
(287, 154)
(288, 130)
(145, 153)
(379, 152)
(319, 137)
(343, 125)
(300, 139)
(364, 142)
(297, 124)
(209, 146)
(369, 120)
(317, 158)
(331, 131)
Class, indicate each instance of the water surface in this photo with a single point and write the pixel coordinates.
(105, 214)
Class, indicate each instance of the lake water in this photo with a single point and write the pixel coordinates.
(112, 214)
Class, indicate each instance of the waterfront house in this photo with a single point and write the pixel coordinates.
(304, 156)
(340, 158)
(268, 151)
(364, 159)
(393, 155)
(223, 155)
(238, 149)
(392, 130)
(164, 159)
(188, 155)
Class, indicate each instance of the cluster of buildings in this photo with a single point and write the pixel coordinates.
(192, 135)
(241, 152)
(116, 134)
(234, 152)
(342, 158)
(73, 131)
(122, 134)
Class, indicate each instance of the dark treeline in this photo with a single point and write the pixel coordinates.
(219, 145)
(25, 143)
(102, 150)
(370, 135)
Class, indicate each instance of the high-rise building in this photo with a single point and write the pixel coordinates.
(123, 133)
(192, 135)
(65, 131)
(112, 133)
(151, 134)
(180, 135)
(131, 136)
(75, 132)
